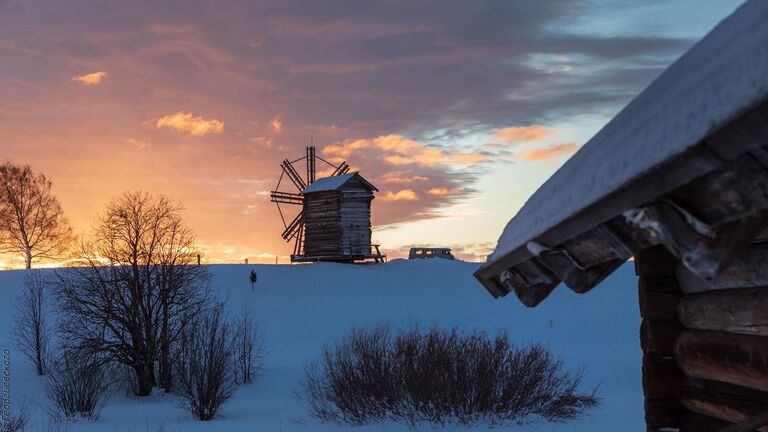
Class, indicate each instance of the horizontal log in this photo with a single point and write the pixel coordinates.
(747, 271)
(658, 305)
(661, 377)
(724, 401)
(743, 311)
(695, 422)
(663, 413)
(659, 336)
(727, 357)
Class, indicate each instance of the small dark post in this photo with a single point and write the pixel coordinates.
(198, 259)
(246, 260)
(253, 279)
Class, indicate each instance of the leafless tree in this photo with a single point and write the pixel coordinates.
(32, 223)
(138, 291)
(248, 348)
(31, 331)
(203, 364)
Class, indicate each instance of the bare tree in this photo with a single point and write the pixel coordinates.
(31, 331)
(32, 223)
(203, 364)
(138, 290)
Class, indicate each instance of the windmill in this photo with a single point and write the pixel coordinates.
(334, 221)
(294, 231)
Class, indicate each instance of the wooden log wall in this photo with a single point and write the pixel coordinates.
(705, 343)
(658, 297)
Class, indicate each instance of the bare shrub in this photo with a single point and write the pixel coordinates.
(16, 421)
(30, 331)
(441, 376)
(77, 387)
(248, 348)
(204, 373)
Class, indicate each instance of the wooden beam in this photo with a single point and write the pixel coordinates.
(727, 357)
(724, 401)
(743, 311)
(661, 376)
(655, 261)
(748, 270)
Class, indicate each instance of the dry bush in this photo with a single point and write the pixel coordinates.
(248, 348)
(204, 372)
(17, 421)
(441, 376)
(77, 387)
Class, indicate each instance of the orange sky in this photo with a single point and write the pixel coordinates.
(455, 116)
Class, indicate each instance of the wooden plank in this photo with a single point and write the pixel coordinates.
(727, 357)
(743, 311)
(724, 401)
(655, 261)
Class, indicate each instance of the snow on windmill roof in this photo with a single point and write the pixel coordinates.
(724, 77)
(335, 182)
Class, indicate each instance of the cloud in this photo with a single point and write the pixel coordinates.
(518, 134)
(397, 177)
(277, 123)
(187, 123)
(549, 153)
(401, 195)
(399, 150)
(442, 191)
(139, 144)
(91, 79)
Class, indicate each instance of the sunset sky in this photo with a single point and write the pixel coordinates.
(456, 111)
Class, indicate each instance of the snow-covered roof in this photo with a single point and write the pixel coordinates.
(335, 182)
(719, 79)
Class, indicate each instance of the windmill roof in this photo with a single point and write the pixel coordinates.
(335, 182)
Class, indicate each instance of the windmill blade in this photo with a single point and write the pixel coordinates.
(310, 165)
(343, 168)
(287, 198)
(292, 174)
(294, 228)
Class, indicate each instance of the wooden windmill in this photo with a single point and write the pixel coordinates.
(334, 223)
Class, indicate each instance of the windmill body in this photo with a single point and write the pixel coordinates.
(334, 223)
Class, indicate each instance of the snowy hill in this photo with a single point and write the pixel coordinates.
(301, 308)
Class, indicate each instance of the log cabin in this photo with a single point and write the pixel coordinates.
(337, 217)
(677, 181)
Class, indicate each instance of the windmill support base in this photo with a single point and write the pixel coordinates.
(340, 258)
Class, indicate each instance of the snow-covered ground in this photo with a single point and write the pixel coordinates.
(301, 308)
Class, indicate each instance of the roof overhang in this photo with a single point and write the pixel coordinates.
(684, 165)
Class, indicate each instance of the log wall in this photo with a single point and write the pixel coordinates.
(705, 343)
(659, 296)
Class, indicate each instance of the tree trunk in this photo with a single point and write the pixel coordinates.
(165, 352)
(27, 258)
